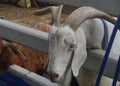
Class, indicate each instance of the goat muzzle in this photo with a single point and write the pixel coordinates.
(53, 76)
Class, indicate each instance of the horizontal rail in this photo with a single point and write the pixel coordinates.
(30, 77)
(94, 60)
(24, 35)
(39, 40)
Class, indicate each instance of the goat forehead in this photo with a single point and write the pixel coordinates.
(53, 29)
(65, 31)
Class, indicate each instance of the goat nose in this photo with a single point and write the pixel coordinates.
(54, 76)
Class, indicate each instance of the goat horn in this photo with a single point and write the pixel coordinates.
(77, 17)
(56, 12)
(14, 49)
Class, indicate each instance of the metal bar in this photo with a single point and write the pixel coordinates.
(117, 71)
(30, 77)
(94, 60)
(24, 35)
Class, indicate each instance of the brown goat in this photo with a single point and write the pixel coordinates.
(35, 60)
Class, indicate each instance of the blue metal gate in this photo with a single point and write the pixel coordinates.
(117, 24)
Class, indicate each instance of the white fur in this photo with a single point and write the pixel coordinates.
(89, 35)
(94, 36)
(58, 48)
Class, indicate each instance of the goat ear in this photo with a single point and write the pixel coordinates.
(13, 48)
(56, 12)
(80, 53)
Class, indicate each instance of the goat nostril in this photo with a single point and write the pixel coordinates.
(54, 76)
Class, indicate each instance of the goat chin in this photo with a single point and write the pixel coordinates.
(69, 79)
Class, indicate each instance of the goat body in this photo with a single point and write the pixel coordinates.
(94, 33)
(68, 44)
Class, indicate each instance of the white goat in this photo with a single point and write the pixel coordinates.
(68, 43)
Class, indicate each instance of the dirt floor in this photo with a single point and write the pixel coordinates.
(25, 16)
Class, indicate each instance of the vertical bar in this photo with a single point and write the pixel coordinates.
(116, 73)
(107, 52)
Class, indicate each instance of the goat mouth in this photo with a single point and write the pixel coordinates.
(48, 76)
(54, 80)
